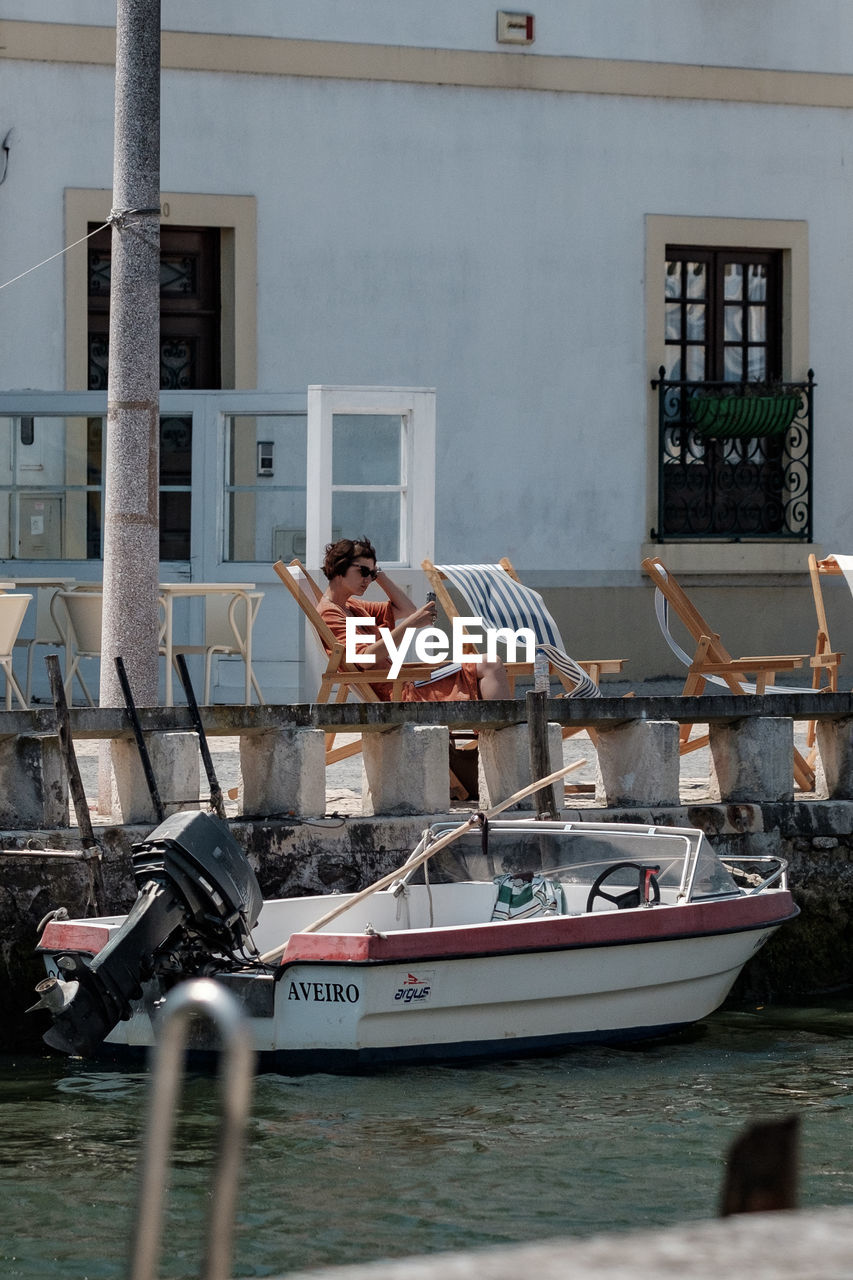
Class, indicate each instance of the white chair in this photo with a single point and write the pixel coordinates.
(12, 610)
(228, 626)
(78, 616)
(45, 632)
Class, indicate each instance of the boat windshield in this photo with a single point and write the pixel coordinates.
(711, 879)
(579, 855)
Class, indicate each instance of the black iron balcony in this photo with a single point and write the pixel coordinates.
(734, 460)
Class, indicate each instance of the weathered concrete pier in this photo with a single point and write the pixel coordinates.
(812, 1245)
(751, 806)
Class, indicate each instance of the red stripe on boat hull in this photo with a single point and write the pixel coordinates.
(606, 928)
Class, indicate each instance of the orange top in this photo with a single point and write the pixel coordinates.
(459, 686)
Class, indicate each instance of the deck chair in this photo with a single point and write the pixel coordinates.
(825, 661)
(340, 675)
(494, 593)
(711, 662)
(12, 610)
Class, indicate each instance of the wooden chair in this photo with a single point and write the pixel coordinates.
(339, 675)
(826, 661)
(712, 663)
(12, 610)
(494, 593)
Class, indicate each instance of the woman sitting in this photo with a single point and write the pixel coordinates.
(350, 566)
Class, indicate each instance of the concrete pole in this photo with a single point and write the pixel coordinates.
(131, 503)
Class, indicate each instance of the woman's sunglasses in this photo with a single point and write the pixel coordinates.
(365, 572)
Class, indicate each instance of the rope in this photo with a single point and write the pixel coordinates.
(117, 218)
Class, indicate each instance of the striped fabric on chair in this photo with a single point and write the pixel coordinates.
(746, 686)
(502, 602)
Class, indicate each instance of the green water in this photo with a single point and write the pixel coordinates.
(344, 1169)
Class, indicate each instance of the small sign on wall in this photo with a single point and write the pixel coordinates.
(515, 28)
(266, 455)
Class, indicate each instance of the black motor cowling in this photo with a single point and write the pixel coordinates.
(195, 883)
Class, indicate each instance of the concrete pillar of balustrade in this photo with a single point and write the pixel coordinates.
(33, 790)
(835, 747)
(175, 765)
(406, 770)
(752, 760)
(504, 763)
(638, 764)
(284, 771)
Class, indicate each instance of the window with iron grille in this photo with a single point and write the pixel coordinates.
(734, 442)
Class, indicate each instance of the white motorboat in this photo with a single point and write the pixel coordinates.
(520, 937)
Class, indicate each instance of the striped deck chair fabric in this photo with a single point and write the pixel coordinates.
(662, 613)
(503, 602)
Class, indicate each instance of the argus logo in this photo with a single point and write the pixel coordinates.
(414, 989)
(432, 645)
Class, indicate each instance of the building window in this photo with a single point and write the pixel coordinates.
(265, 486)
(371, 470)
(49, 486)
(723, 314)
(190, 344)
(189, 308)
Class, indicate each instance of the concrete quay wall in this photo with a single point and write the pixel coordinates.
(809, 1245)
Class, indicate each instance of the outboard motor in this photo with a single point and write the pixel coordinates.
(196, 890)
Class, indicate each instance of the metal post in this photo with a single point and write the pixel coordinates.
(131, 514)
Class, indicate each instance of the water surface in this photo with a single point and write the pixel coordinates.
(345, 1169)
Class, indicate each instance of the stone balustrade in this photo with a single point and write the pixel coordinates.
(405, 752)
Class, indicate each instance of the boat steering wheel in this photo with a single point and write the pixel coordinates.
(646, 892)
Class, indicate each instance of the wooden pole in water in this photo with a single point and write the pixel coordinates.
(761, 1173)
(537, 729)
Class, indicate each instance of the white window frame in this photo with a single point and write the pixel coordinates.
(416, 406)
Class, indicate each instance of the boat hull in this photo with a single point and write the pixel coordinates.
(348, 1001)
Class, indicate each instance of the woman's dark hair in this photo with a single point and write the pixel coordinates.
(341, 554)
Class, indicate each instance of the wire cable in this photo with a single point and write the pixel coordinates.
(117, 218)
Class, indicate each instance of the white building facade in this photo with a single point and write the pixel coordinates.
(383, 195)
